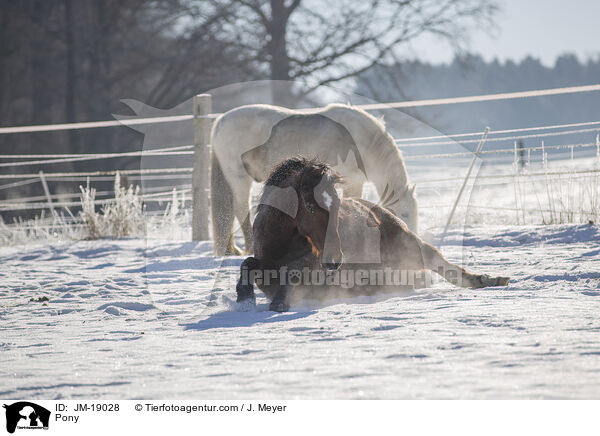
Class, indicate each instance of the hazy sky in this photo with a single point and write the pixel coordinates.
(541, 28)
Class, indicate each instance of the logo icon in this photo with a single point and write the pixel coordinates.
(26, 415)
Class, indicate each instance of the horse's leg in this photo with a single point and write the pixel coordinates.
(279, 302)
(241, 210)
(232, 250)
(222, 200)
(247, 231)
(291, 282)
(245, 285)
(456, 275)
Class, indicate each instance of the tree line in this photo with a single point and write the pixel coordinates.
(470, 74)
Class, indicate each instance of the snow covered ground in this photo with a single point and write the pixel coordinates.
(155, 319)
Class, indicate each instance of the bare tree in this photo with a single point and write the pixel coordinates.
(69, 61)
(197, 58)
(321, 42)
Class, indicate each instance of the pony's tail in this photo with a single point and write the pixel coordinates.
(221, 198)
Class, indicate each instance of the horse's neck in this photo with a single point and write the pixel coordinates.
(384, 165)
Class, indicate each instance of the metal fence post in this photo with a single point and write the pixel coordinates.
(200, 175)
(462, 188)
(47, 192)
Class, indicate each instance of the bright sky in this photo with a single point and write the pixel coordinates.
(541, 28)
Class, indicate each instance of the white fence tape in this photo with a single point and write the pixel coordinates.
(99, 173)
(170, 151)
(500, 151)
(498, 132)
(504, 138)
(66, 155)
(575, 173)
(95, 124)
(375, 106)
(34, 206)
(512, 209)
(480, 98)
(158, 190)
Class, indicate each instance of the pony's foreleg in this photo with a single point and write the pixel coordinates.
(253, 269)
(433, 260)
(245, 285)
(280, 302)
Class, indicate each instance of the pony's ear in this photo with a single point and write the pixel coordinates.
(411, 189)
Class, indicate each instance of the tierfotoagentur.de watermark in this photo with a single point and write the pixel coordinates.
(345, 278)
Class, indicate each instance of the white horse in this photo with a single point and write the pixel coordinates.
(248, 141)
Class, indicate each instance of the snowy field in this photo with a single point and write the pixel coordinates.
(139, 318)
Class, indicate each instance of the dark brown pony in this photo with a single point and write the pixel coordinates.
(304, 231)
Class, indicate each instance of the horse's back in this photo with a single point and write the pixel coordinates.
(249, 126)
(246, 126)
(268, 115)
(363, 127)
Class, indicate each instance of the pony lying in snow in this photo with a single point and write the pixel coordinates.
(306, 238)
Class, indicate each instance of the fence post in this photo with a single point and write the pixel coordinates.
(516, 163)
(200, 180)
(47, 192)
(522, 154)
(462, 188)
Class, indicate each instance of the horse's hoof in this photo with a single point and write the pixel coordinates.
(233, 251)
(502, 281)
(246, 305)
(278, 306)
(487, 281)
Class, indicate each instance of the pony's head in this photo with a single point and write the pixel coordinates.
(317, 216)
(403, 204)
(407, 208)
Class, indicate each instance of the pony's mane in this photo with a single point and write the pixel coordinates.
(300, 165)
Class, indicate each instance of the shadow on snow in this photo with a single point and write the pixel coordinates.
(245, 319)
